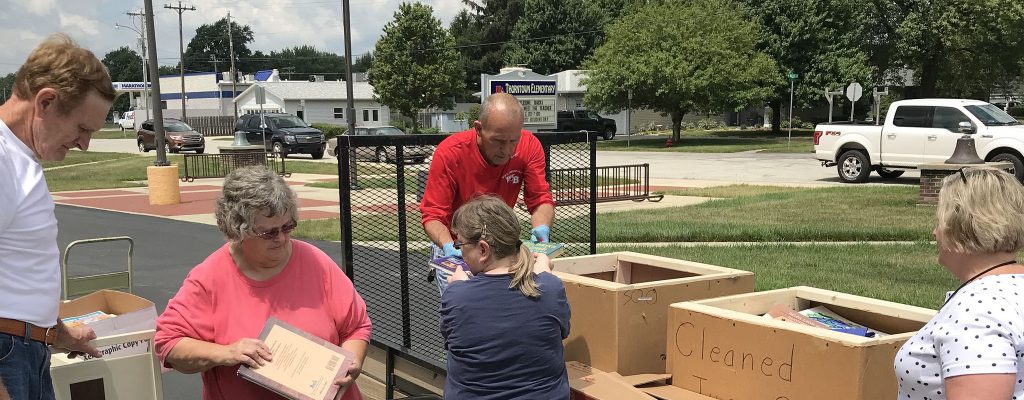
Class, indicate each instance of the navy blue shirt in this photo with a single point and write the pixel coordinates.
(502, 344)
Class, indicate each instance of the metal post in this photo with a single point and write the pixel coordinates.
(158, 112)
(790, 140)
(593, 193)
(350, 111)
(234, 74)
(345, 203)
(629, 115)
(181, 51)
(403, 247)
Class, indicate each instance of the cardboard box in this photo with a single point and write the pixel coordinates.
(128, 369)
(588, 383)
(620, 304)
(725, 349)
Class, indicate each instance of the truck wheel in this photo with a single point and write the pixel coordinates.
(853, 166)
(142, 147)
(317, 154)
(889, 173)
(279, 148)
(607, 134)
(382, 156)
(1018, 165)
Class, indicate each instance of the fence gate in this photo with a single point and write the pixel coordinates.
(385, 251)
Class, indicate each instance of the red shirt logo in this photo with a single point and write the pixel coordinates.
(513, 177)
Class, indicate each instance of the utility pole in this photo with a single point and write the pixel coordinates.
(216, 73)
(145, 62)
(234, 74)
(181, 51)
(158, 112)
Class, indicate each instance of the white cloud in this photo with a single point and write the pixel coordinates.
(72, 23)
(276, 24)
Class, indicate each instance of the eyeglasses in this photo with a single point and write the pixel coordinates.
(459, 243)
(271, 234)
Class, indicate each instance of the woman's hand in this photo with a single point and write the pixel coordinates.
(458, 275)
(353, 372)
(251, 352)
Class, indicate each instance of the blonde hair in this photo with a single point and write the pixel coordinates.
(489, 219)
(59, 63)
(985, 214)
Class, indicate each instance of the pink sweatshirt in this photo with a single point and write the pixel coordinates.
(218, 304)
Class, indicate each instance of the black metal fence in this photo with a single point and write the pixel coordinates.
(614, 183)
(386, 252)
(212, 125)
(198, 166)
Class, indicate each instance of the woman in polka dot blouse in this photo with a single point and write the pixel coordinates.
(974, 346)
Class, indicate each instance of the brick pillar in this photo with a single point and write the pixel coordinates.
(933, 174)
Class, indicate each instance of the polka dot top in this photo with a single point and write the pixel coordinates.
(980, 331)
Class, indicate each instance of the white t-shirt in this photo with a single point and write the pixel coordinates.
(980, 331)
(29, 256)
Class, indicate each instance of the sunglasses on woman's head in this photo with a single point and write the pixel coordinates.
(285, 229)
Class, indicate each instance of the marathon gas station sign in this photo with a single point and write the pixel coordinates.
(536, 92)
(131, 86)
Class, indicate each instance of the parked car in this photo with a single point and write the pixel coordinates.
(178, 136)
(282, 133)
(384, 154)
(127, 120)
(916, 132)
(583, 120)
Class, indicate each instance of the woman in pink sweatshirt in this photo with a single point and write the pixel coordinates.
(211, 324)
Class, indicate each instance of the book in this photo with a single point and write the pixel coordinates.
(549, 249)
(445, 267)
(837, 323)
(784, 313)
(304, 366)
(86, 318)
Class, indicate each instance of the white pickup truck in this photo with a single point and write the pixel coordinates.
(916, 132)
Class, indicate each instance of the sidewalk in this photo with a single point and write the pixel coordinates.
(198, 200)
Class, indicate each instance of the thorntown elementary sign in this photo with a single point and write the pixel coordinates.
(536, 92)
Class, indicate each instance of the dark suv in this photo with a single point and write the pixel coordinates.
(283, 133)
(583, 120)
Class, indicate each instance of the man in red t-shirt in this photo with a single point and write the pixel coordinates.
(497, 156)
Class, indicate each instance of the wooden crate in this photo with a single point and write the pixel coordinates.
(725, 348)
(620, 303)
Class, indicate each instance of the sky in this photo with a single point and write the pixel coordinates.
(276, 24)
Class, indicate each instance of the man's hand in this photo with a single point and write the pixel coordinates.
(540, 233)
(450, 250)
(458, 275)
(251, 352)
(76, 339)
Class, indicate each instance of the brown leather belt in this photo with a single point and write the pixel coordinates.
(17, 328)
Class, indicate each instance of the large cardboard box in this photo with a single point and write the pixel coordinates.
(589, 383)
(620, 304)
(725, 349)
(128, 369)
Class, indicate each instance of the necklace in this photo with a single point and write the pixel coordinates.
(987, 270)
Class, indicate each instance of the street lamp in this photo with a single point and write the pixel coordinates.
(145, 76)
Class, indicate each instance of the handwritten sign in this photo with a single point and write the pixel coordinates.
(538, 110)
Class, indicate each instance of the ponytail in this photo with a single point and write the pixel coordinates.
(522, 273)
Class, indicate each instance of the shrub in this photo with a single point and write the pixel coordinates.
(330, 130)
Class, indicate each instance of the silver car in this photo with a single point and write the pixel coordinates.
(384, 154)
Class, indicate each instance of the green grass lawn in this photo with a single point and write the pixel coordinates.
(331, 168)
(80, 157)
(907, 274)
(848, 213)
(730, 191)
(119, 173)
(114, 133)
(711, 145)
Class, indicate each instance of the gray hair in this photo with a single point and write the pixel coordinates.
(503, 101)
(251, 190)
(982, 212)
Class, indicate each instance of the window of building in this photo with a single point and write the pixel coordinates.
(339, 113)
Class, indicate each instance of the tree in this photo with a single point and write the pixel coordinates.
(555, 35)
(675, 62)
(467, 31)
(956, 48)
(823, 41)
(6, 87)
(363, 63)
(306, 60)
(124, 65)
(490, 31)
(415, 64)
(212, 40)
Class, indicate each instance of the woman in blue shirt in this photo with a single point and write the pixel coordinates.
(503, 326)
